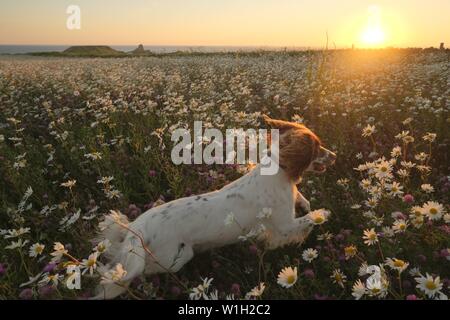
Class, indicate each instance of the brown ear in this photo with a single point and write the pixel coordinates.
(279, 124)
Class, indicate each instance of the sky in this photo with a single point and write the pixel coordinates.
(284, 23)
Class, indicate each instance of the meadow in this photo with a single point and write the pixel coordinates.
(82, 136)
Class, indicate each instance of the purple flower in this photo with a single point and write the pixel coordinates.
(152, 173)
(253, 249)
(149, 205)
(26, 294)
(407, 284)
(236, 289)
(156, 282)
(49, 267)
(133, 211)
(411, 297)
(2, 269)
(176, 291)
(339, 237)
(46, 291)
(309, 273)
(408, 198)
(422, 258)
(319, 297)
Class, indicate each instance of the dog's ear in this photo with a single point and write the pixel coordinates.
(279, 124)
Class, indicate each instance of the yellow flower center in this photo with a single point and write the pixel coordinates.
(430, 285)
(433, 211)
(399, 263)
(383, 169)
(318, 219)
(375, 290)
(290, 279)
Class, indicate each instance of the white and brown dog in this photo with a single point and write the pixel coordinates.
(176, 230)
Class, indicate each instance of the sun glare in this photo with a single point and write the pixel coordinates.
(373, 34)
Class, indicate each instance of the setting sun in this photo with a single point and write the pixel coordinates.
(373, 34)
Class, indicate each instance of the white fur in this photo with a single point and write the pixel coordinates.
(174, 231)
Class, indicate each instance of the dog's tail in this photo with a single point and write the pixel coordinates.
(123, 251)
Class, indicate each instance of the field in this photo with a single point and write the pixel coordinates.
(80, 137)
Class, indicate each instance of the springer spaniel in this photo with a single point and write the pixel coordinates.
(174, 231)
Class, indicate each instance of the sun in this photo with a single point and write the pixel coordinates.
(373, 34)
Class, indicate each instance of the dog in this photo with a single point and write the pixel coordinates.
(174, 231)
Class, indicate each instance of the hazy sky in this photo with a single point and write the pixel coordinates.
(227, 22)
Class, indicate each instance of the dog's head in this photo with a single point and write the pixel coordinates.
(300, 149)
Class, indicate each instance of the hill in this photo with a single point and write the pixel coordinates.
(92, 51)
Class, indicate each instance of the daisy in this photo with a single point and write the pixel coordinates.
(400, 226)
(430, 137)
(429, 285)
(423, 169)
(368, 130)
(428, 188)
(36, 250)
(309, 255)
(371, 202)
(402, 173)
(447, 218)
(370, 237)
(397, 264)
(388, 232)
(417, 221)
(58, 252)
(414, 272)
(69, 184)
(366, 184)
(421, 156)
(395, 189)
(402, 135)
(339, 277)
(287, 277)
(114, 275)
(433, 210)
(358, 289)
(376, 287)
(47, 278)
(90, 264)
(17, 244)
(417, 211)
(102, 246)
(201, 290)
(383, 170)
(396, 152)
(318, 216)
(350, 252)
(362, 271)
(408, 164)
(256, 291)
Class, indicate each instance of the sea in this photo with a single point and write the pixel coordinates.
(21, 49)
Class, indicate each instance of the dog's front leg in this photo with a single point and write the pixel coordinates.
(295, 231)
(301, 203)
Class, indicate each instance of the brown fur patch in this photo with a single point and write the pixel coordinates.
(299, 146)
